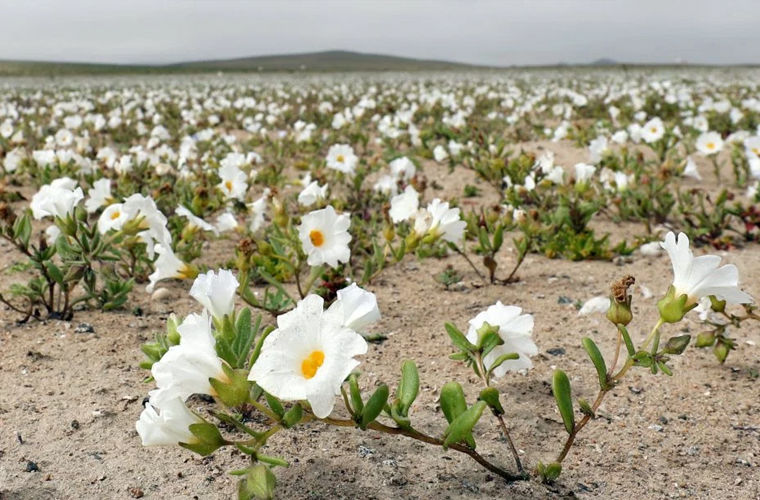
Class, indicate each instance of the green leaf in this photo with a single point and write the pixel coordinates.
(498, 238)
(408, 386)
(452, 401)
(245, 333)
(375, 405)
(501, 359)
(292, 416)
(491, 396)
(54, 272)
(598, 360)
(462, 426)
(627, 339)
(274, 404)
(458, 338)
(209, 439)
(22, 229)
(355, 393)
(563, 396)
(549, 472)
(586, 408)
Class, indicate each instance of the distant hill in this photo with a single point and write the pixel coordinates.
(333, 60)
(605, 61)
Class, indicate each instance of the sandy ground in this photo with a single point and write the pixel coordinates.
(69, 400)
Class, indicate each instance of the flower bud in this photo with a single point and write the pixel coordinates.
(705, 339)
(258, 483)
(619, 312)
(389, 233)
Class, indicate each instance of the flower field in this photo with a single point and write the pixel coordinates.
(518, 284)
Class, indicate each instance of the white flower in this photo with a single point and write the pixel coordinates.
(584, 173)
(403, 168)
(258, 210)
(234, 181)
(386, 184)
(404, 205)
(98, 195)
(56, 199)
(13, 159)
(653, 130)
(597, 304)
(185, 369)
(216, 292)
(709, 143)
(597, 148)
(169, 427)
(324, 237)
(751, 146)
(194, 220)
(144, 208)
(225, 222)
(698, 277)
(445, 221)
(556, 175)
(166, 266)
(341, 157)
(440, 154)
(312, 193)
(308, 356)
(515, 329)
(690, 170)
(113, 217)
(356, 306)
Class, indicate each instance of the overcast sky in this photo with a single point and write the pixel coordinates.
(486, 32)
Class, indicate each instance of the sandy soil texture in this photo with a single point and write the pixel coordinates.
(69, 397)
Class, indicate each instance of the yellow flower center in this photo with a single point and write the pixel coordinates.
(340, 158)
(654, 130)
(710, 145)
(228, 185)
(317, 237)
(311, 364)
(115, 215)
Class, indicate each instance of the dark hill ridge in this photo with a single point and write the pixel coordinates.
(333, 60)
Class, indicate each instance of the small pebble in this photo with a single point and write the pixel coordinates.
(84, 328)
(31, 466)
(161, 295)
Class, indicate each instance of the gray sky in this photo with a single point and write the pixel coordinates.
(486, 32)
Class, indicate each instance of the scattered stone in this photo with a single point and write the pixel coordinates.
(556, 351)
(75, 425)
(161, 295)
(136, 492)
(635, 390)
(365, 451)
(663, 420)
(564, 300)
(84, 328)
(656, 428)
(31, 466)
(390, 462)
(470, 486)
